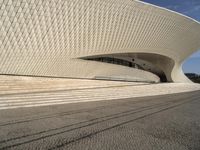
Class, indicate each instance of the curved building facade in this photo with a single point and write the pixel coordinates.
(95, 39)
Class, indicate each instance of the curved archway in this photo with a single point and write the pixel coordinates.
(159, 65)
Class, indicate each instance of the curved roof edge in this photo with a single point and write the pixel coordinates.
(169, 10)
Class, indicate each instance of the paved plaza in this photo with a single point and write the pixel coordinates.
(76, 114)
(159, 122)
(17, 92)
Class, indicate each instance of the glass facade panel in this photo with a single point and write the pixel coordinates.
(116, 61)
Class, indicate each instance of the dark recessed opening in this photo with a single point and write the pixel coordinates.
(116, 61)
(163, 78)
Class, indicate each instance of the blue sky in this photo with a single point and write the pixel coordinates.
(190, 8)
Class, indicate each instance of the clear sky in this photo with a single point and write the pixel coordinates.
(190, 8)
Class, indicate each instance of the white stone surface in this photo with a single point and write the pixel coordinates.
(16, 92)
(48, 37)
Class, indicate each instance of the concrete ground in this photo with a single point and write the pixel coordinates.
(156, 122)
(49, 113)
(21, 91)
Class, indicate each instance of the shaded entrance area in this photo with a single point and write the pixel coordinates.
(157, 64)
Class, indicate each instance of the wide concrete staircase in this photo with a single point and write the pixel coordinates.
(17, 92)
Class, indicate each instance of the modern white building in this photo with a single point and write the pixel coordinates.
(96, 39)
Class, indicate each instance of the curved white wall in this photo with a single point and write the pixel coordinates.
(46, 38)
